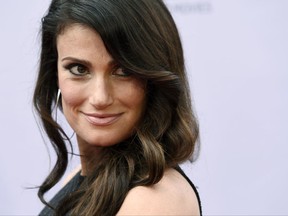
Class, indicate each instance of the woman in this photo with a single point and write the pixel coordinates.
(116, 70)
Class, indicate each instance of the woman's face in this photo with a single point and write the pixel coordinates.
(102, 103)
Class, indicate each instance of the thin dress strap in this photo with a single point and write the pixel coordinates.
(177, 168)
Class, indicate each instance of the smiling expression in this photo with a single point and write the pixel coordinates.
(101, 101)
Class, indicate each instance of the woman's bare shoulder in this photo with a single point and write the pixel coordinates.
(173, 195)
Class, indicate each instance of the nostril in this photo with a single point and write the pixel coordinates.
(101, 98)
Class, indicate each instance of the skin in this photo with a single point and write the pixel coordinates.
(171, 196)
(103, 104)
(101, 101)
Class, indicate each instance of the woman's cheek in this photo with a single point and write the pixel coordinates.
(71, 95)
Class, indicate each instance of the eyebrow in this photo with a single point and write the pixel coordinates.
(84, 62)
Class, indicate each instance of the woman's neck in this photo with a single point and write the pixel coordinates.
(88, 155)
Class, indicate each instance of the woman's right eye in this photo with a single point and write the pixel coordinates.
(77, 69)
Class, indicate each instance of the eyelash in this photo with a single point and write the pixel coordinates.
(123, 72)
(71, 66)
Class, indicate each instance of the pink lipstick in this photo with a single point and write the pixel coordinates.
(102, 119)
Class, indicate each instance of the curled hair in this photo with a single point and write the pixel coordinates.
(142, 37)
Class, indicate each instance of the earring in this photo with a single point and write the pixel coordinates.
(56, 104)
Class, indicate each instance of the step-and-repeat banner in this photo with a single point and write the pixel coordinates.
(236, 56)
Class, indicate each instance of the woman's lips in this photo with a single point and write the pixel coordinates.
(102, 119)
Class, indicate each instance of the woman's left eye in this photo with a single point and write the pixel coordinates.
(121, 72)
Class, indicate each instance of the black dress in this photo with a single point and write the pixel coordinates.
(75, 183)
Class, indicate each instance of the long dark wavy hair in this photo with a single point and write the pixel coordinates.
(142, 37)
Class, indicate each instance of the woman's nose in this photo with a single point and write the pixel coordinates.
(101, 93)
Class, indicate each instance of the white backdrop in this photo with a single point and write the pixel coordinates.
(237, 57)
